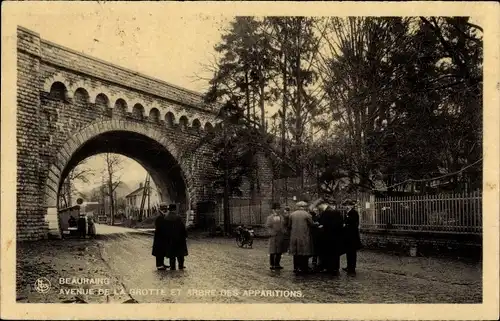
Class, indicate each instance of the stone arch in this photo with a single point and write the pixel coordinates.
(170, 119)
(135, 102)
(58, 91)
(81, 95)
(196, 124)
(120, 107)
(154, 115)
(208, 126)
(102, 100)
(138, 111)
(56, 78)
(64, 156)
(183, 122)
(100, 92)
(154, 105)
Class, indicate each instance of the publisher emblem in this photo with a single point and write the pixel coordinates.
(42, 285)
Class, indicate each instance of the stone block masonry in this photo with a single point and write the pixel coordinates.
(71, 106)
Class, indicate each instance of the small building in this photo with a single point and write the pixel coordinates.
(134, 199)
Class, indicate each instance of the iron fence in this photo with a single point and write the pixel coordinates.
(459, 213)
(451, 213)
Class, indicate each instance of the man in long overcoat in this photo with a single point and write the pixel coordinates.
(352, 237)
(301, 246)
(331, 224)
(276, 225)
(176, 245)
(160, 238)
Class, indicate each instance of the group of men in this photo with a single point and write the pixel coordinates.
(319, 231)
(169, 238)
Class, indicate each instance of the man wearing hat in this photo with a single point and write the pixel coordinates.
(160, 241)
(276, 225)
(331, 223)
(300, 224)
(352, 238)
(176, 246)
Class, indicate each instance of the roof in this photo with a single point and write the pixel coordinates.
(137, 192)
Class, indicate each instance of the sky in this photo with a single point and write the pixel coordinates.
(164, 45)
(168, 46)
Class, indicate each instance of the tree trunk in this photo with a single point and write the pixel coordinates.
(225, 203)
(298, 123)
(262, 102)
(283, 124)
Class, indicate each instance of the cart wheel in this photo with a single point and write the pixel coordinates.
(239, 241)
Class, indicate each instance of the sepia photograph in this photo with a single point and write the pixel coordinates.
(225, 158)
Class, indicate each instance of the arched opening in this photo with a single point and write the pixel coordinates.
(154, 115)
(134, 195)
(102, 101)
(196, 125)
(138, 112)
(120, 108)
(170, 119)
(183, 123)
(59, 91)
(208, 127)
(133, 156)
(81, 96)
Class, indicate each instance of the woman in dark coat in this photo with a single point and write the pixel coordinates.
(176, 245)
(160, 239)
(352, 237)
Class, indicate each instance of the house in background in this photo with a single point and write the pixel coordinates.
(134, 199)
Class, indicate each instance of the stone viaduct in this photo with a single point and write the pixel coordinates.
(71, 106)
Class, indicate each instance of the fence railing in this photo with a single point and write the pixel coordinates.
(452, 213)
(243, 212)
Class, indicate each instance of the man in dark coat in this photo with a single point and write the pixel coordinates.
(176, 238)
(352, 238)
(331, 223)
(160, 238)
(316, 235)
(82, 226)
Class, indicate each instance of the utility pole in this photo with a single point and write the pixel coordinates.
(145, 193)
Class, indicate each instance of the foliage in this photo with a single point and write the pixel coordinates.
(80, 173)
(359, 102)
(391, 87)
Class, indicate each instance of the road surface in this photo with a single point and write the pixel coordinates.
(218, 271)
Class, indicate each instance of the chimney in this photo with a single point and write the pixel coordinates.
(140, 185)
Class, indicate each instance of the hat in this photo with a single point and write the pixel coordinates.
(349, 202)
(172, 207)
(322, 207)
(301, 204)
(163, 207)
(276, 206)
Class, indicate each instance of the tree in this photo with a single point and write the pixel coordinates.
(111, 172)
(296, 45)
(241, 77)
(396, 89)
(79, 173)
